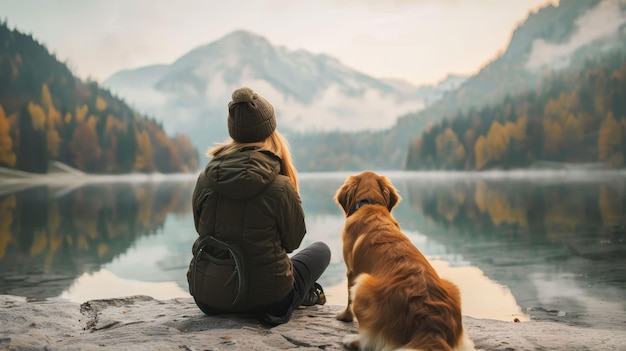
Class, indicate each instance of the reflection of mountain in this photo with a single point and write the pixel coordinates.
(558, 246)
(47, 239)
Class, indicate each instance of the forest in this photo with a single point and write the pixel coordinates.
(47, 114)
(575, 118)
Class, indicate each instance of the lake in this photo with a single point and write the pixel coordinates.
(532, 246)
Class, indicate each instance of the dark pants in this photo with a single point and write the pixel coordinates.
(308, 266)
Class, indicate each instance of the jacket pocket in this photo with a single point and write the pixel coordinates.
(217, 281)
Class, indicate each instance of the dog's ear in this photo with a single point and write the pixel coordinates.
(344, 196)
(389, 192)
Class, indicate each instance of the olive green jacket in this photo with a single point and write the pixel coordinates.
(242, 199)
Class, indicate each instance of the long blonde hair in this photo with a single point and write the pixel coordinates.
(275, 143)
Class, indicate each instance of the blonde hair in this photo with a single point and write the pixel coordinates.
(275, 143)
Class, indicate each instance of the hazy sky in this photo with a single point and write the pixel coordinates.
(420, 41)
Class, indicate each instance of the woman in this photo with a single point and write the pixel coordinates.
(248, 215)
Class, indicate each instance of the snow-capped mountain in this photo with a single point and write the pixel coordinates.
(309, 92)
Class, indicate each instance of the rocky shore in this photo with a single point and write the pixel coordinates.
(143, 323)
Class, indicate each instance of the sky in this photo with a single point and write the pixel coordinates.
(420, 41)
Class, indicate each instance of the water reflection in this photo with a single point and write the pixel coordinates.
(49, 236)
(559, 246)
(540, 249)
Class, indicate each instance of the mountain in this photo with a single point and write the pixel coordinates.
(577, 113)
(309, 92)
(47, 115)
(576, 121)
(553, 39)
(427, 93)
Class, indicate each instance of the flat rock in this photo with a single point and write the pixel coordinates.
(143, 323)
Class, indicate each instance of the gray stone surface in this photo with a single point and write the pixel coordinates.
(143, 323)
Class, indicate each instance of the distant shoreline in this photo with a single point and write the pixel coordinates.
(62, 174)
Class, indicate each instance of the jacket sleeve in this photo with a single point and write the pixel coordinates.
(291, 224)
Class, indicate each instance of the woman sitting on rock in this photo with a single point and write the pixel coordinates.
(248, 215)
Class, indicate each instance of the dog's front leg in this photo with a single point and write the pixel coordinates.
(346, 315)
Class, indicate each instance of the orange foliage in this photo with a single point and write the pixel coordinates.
(37, 115)
(7, 156)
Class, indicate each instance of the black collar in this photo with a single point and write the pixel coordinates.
(363, 202)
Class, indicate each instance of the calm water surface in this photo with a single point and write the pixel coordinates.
(540, 247)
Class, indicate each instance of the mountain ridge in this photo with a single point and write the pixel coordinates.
(310, 92)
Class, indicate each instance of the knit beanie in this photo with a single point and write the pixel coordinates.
(250, 117)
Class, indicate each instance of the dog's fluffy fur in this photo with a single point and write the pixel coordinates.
(398, 299)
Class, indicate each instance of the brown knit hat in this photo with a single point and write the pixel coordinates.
(250, 117)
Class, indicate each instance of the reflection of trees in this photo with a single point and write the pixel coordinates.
(549, 211)
(47, 239)
(533, 236)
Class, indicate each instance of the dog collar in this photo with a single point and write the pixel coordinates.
(362, 203)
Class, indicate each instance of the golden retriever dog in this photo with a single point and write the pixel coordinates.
(397, 297)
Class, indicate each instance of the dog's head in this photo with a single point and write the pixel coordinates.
(366, 188)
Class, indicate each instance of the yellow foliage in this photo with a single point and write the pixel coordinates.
(39, 243)
(7, 156)
(144, 159)
(85, 144)
(81, 112)
(46, 98)
(55, 243)
(554, 136)
(496, 204)
(53, 119)
(82, 242)
(102, 250)
(480, 195)
(54, 141)
(101, 104)
(517, 131)
(574, 128)
(145, 201)
(114, 124)
(448, 146)
(560, 108)
(481, 153)
(37, 115)
(6, 219)
(497, 141)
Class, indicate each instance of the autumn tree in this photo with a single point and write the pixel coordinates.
(449, 150)
(481, 153)
(144, 161)
(53, 121)
(7, 155)
(187, 152)
(497, 141)
(84, 146)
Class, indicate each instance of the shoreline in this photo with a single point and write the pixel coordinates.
(124, 323)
